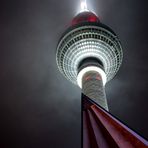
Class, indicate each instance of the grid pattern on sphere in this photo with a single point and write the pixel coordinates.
(88, 41)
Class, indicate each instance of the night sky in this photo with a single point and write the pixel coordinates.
(39, 108)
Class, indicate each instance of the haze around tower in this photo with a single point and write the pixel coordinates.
(37, 105)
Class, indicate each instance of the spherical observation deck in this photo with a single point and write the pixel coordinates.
(86, 38)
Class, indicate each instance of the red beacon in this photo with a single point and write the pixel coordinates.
(84, 17)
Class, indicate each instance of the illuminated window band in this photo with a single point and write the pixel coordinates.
(90, 68)
(88, 41)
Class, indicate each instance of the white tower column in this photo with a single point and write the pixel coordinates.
(92, 79)
(92, 86)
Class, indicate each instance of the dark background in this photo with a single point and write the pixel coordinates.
(39, 108)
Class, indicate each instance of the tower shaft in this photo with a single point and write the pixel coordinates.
(92, 87)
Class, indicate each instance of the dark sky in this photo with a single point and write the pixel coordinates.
(39, 108)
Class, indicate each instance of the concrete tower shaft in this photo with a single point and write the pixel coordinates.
(92, 86)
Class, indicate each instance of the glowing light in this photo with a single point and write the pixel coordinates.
(83, 5)
(90, 68)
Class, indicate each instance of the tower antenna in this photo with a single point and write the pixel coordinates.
(83, 5)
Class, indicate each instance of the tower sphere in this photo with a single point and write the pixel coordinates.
(88, 38)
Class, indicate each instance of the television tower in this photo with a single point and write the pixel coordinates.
(89, 54)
